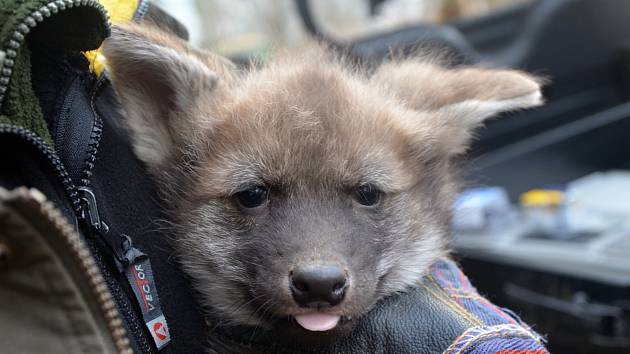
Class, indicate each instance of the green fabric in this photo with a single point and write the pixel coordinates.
(21, 107)
(13, 11)
(76, 28)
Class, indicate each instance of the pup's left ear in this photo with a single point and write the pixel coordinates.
(454, 102)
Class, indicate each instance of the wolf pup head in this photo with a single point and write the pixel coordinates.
(304, 190)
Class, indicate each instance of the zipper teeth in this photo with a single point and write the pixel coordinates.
(31, 21)
(95, 140)
(95, 137)
(95, 279)
(143, 6)
(50, 156)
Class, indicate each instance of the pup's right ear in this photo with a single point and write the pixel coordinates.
(159, 81)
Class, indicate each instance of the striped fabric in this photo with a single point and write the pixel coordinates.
(493, 330)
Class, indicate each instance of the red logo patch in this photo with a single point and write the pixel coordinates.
(160, 330)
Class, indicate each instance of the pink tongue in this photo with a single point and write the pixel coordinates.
(317, 321)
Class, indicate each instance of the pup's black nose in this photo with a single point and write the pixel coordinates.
(318, 286)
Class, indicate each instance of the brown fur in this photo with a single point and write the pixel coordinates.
(311, 127)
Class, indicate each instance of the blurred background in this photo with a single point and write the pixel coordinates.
(252, 27)
(544, 225)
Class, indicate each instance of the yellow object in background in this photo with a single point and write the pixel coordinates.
(542, 197)
(120, 11)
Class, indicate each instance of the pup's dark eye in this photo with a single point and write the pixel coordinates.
(252, 197)
(367, 194)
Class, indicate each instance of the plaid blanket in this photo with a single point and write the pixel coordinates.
(493, 330)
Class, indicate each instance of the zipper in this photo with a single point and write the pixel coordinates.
(70, 240)
(123, 251)
(71, 192)
(95, 136)
(6, 70)
(141, 10)
(85, 207)
(86, 213)
(31, 21)
(82, 198)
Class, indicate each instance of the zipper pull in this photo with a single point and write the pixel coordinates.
(121, 247)
(91, 209)
(134, 265)
(91, 215)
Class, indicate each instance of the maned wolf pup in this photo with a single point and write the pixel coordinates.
(305, 190)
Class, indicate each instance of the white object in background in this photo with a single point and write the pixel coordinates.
(598, 202)
(485, 208)
(186, 12)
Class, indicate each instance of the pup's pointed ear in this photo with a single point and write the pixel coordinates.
(458, 100)
(159, 81)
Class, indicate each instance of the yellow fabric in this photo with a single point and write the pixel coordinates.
(120, 11)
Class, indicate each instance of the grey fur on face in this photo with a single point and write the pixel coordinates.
(307, 131)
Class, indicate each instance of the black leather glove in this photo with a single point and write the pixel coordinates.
(443, 312)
